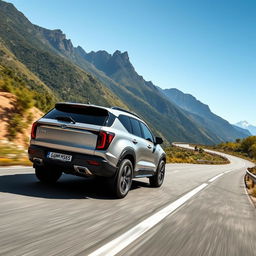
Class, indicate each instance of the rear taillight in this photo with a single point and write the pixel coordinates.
(104, 140)
(33, 130)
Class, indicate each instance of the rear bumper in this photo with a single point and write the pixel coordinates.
(81, 164)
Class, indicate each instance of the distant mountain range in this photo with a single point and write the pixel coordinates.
(203, 115)
(245, 125)
(54, 70)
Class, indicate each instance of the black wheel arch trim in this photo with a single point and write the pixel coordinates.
(125, 153)
(163, 157)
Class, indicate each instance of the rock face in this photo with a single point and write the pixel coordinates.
(57, 39)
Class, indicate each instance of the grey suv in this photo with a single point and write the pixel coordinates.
(89, 140)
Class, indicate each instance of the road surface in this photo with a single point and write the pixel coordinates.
(200, 210)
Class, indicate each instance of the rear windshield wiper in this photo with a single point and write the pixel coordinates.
(66, 119)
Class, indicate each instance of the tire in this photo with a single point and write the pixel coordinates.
(158, 179)
(46, 175)
(123, 180)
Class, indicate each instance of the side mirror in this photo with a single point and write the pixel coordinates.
(159, 140)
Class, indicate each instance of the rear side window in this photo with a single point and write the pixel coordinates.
(125, 120)
(136, 127)
(80, 114)
(147, 135)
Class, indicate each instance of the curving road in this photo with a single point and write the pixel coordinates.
(200, 210)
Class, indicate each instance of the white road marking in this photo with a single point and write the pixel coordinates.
(215, 177)
(119, 243)
(16, 167)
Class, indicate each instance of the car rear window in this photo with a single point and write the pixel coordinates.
(80, 114)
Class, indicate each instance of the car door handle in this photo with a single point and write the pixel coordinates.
(149, 146)
(134, 141)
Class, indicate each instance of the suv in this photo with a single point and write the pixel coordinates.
(89, 140)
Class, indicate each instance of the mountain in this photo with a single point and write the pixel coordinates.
(202, 114)
(187, 102)
(52, 69)
(245, 125)
(67, 81)
(242, 130)
(118, 74)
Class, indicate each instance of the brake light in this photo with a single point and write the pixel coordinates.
(33, 130)
(104, 140)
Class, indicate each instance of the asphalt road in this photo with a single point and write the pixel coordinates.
(78, 217)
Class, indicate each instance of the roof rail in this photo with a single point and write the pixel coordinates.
(124, 110)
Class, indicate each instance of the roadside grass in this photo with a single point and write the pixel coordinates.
(251, 189)
(181, 155)
(11, 154)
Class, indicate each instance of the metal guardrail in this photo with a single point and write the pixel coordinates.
(251, 176)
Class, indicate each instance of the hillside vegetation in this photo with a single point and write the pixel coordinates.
(245, 148)
(16, 118)
(182, 155)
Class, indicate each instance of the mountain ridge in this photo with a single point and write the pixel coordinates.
(103, 78)
(125, 91)
(204, 116)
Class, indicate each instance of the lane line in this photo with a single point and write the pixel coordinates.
(215, 177)
(119, 243)
(16, 167)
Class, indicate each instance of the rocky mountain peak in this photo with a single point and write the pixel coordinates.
(243, 124)
(57, 39)
(119, 54)
(246, 125)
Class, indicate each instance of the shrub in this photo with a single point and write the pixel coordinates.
(15, 126)
(24, 100)
(247, 143)
(252, 151)
(201, 150)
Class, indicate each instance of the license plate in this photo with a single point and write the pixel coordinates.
(59, 156)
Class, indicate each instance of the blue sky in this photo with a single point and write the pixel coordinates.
(203, 47)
